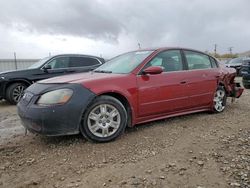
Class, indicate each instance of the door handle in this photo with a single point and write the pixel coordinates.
(183, 82)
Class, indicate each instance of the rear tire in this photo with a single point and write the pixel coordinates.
(247, 86)
(15, 92)
(104, 120)
(219, 100)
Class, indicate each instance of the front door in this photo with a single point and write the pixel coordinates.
(59, 66)
(165, 92)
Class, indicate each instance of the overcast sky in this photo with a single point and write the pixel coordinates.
(34, 28)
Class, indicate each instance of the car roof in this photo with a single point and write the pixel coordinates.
(169, 48)
(85, 55)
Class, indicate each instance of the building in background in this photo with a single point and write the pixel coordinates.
(18, 64)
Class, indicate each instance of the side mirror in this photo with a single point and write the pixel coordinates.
(46, 67)
(153, 70)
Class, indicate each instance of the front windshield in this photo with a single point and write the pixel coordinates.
(39, 63)
(235, 61)
(124, 63)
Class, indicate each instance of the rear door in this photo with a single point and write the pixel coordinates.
(82, 64)
(165, 92)
(202, 76)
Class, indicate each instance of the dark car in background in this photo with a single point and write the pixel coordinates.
(235, 63)
(245, 71)
(13, 83)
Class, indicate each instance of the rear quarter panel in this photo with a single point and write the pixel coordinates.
(227, 78)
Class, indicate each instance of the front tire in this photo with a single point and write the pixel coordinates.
(15, 92)
(104, 120)
(220, 99)
(246, 86)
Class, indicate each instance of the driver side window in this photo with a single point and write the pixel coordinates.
(156, 62)
(169, 60)
(59, 63)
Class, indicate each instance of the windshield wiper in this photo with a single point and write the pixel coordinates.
(103, 71)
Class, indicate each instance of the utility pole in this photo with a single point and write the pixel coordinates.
(15, 60)
(230, 50)
(215, 49)
(139, 45)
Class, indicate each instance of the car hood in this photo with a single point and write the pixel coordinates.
(81, 78)
(16, 73)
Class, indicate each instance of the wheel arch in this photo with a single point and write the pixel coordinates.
(26, 82)
(125, 103)
(222, 84)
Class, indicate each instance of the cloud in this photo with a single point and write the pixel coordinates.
(122, 24)
(79, 18)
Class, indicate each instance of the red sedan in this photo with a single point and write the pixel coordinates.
(130, 89)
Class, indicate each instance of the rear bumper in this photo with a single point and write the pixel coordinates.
(236, 91)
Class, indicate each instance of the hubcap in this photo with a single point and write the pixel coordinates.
(18, 92)
(219, 100)
(104, 120)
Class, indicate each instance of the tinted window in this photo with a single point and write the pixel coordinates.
(59, 63)
(213, 62)
(39, 63)
(82, 62)
(196, 60)
(170, 61)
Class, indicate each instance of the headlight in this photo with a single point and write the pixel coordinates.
(55, 97)
(2, 77)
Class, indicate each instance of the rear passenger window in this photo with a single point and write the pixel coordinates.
(82, 62)
(169, 60)
(213, 62)
(196, 60)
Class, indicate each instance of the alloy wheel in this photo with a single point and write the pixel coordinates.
(18, 92)
(104, 120)
(219, 104)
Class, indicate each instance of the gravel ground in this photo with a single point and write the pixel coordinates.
(200, 150)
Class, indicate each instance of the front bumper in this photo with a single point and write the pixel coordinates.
(2, 88)
(53, 120)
